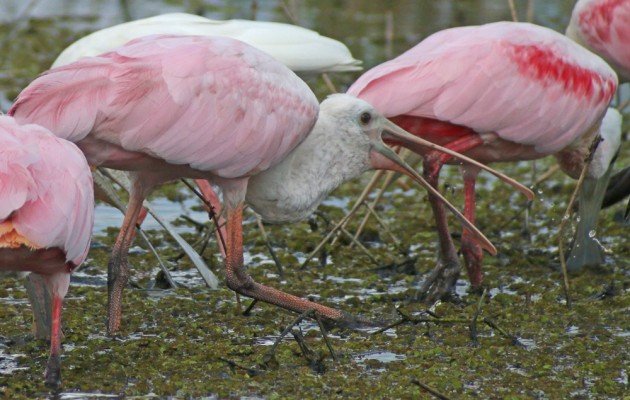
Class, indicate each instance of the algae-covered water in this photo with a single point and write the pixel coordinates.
(519, 342)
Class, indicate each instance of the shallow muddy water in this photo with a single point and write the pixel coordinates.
(190, 342)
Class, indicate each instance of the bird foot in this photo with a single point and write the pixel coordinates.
(440, 284)
(53, 372)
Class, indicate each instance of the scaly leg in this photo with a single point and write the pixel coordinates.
(241, 282)
(117, 268)
(58, 285)
(473, 255)
(441, 281)
(213, 199)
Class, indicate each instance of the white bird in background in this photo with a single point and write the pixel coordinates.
(300, 49)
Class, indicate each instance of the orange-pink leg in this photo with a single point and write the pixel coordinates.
(239, 280)
(473, 255)
(117, 269)
(58, 286)
(441, 281)
(53, 368)
(209, 194)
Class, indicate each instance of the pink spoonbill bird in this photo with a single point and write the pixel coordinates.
(498, 92)
(603, 26)
(302, 50)
(46, 214)
(215, 108)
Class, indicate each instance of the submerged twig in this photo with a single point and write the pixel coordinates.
(503, 333)
(120, 178)
(165, 270)
(330, 234)
(212, 215)
(290, 10)
(272, 351)
(473, 321)
(234, 365)
(415, 321)
(530, 10)
(325, 336)
(276, 260)
(108, 189)
(546, 175)
(249, 308)
(329, 83)
(513, 10)
(430, 390)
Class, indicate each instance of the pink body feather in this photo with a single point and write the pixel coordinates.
(529, 85)
(45, 189)
(603, 26)
(215, 104)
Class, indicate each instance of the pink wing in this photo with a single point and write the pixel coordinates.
(59, 208)
(214, 103)
(528, 84)
(17, 186)
(604, 27)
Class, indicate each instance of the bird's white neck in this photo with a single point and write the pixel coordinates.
(292, 190)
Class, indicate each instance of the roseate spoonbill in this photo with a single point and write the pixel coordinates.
(215, 108)
(46, 214)
(603, 26)
(498, 92)
(300, 49)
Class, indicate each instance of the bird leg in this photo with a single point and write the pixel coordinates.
(241, 282)
(215, 209)
(117, 268)
(441, 281)
(58, 285)
(473, 255)
(40, 298)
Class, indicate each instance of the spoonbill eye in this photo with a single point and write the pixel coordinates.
(366, 117)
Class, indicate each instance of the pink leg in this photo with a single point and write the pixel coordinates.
(473, 255)
(441, 281)
(118, 270)
(58, 286)
(239, 281)
(213, 199)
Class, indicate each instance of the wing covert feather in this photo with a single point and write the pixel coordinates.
(521, 81)
(186, 99)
